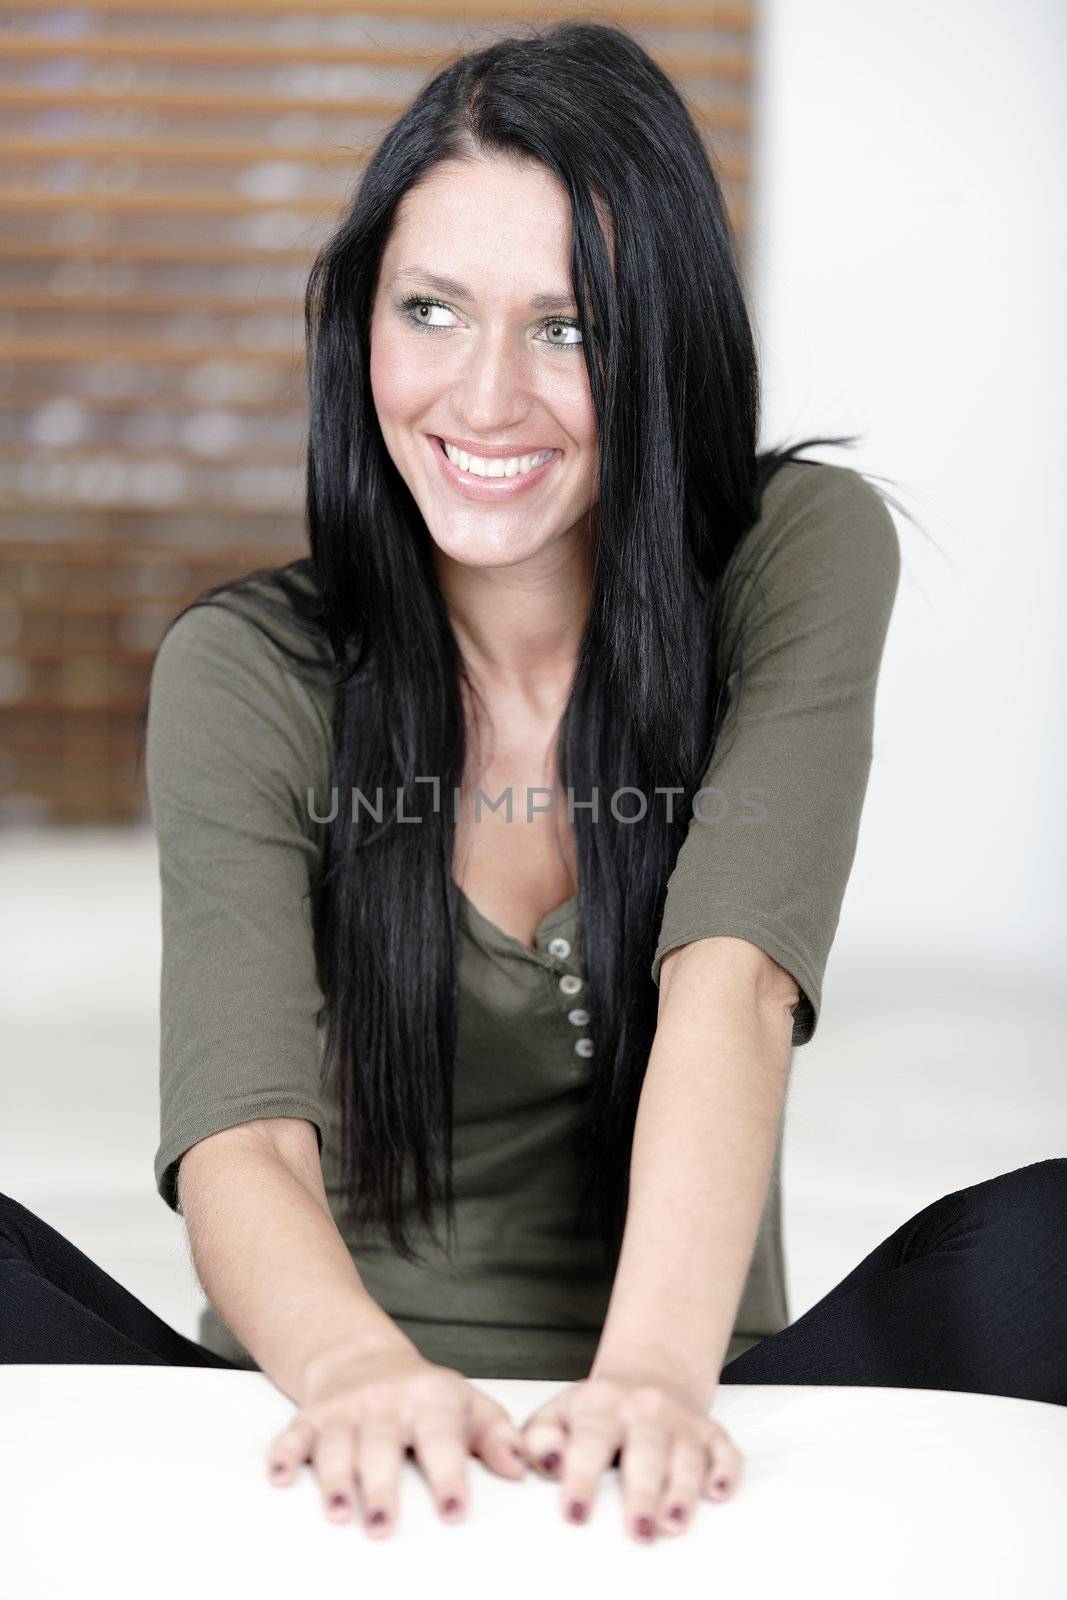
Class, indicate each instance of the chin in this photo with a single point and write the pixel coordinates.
(479, 551)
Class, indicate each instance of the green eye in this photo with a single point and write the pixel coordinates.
(564, 323)
(414, 306)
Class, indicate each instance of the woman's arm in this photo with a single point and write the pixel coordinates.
(707, 1126)
(269, 1256)
(751, 911)
(234, 741)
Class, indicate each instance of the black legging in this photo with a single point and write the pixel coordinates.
(969, 1294)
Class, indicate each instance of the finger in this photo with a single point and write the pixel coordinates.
(545, 1443)
(725, 1465)
(439, 1433)
(494, 1438)
(594, 1434)
(335, 1469)
(378, 1449)
(289, 1450)
(645, 1457)
(685, 1477)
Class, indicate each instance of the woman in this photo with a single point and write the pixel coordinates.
(503, 841)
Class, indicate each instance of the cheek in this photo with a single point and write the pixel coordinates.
(580, 422)
(568, 398)
(398, 384)
(572, 400)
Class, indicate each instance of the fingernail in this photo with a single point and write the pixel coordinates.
(450, 1506)
(677, 1513)
(277, 1469)
(376, 1518)
(644, 1527)
(721, 1485)
(577, 1511)
(517, 1454)
(338, 1502)
(551, 1461)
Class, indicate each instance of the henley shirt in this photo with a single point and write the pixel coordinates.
(234, 741)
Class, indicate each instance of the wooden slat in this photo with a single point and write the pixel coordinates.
(196, 102)
(228, 152)
(166, 152)
(43, 705)
(192, 509)
(245, 457)
(192, 101)
(629, 13)
(53, 300)
(179, 252)
(27, 397)
(95, 554)
(92, 607)
(55, 654)
(182, 51)
(148, 202)
(78, 351)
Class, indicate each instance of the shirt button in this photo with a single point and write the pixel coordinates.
(560, 948)
(583, 1047)
(570, 983)
(578, 1017)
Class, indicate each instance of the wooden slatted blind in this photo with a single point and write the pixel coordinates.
(168, 170)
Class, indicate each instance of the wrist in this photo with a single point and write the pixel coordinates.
(662, 1369)
(326, 1362)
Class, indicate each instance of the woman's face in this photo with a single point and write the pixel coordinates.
(490, 359)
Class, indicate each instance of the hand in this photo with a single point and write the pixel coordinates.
(671, 1451)
(364, 1411)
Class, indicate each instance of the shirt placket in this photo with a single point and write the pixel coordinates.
(571, 985)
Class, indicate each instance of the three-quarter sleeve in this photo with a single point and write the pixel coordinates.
(233, 743)
(771, 843)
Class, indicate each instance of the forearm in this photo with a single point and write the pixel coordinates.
(703, 1152)
(272, 1262)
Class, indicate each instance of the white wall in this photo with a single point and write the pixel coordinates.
(908, 279)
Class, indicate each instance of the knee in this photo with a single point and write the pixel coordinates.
(1029, 1201)
(13, 1217)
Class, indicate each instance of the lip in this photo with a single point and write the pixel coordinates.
(493, 452)
(488, 489)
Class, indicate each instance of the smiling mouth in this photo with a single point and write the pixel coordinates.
(495, 468)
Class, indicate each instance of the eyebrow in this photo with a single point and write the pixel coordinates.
(459, 291)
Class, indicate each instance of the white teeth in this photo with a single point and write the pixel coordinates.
(494, 467)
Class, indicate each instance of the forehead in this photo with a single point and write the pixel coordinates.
(502, 227)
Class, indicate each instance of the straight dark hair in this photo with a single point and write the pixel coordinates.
(673, 373)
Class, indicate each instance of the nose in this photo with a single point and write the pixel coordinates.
(491, 392)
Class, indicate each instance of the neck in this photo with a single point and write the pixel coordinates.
(519, 628)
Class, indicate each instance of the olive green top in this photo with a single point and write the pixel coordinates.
(234, 742)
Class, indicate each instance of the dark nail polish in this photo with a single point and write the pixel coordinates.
(551, 1461)
(518, 1455)
(337, 1501)
(645, 1527)
(376, 1518)
(677, 1513)
(451, 1505)
(577, 1511)
(721, 1485)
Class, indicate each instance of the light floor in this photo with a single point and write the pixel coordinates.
(914, 1085)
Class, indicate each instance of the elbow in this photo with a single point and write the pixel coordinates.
(734, 967)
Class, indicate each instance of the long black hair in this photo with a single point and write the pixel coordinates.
(673, 372)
